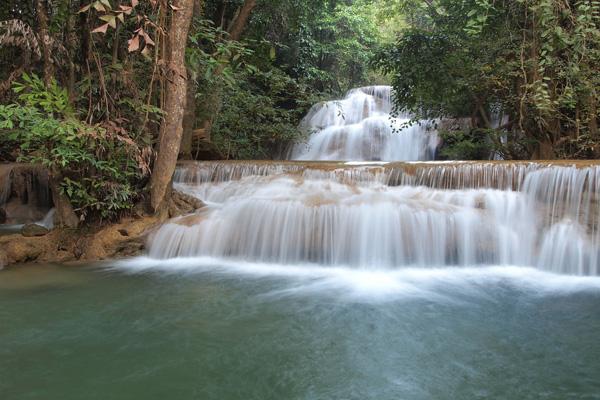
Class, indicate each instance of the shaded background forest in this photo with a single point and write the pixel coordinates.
(83, 83)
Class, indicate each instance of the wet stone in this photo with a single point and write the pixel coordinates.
(31, 230)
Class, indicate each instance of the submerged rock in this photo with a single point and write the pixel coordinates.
(32, 230)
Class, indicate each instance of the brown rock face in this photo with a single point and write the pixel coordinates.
(126, 238)
(182, 204)
(23, 250)
(33, 230)
(24, 192)
(2, 216)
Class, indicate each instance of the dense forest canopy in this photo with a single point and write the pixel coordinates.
(525, 72)
(109, 94)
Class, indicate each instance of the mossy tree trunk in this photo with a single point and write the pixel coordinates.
(42, 17)
(175, 95)
(189, 118)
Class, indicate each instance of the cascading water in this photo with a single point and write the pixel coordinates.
(372, 214)
(391, 216)
(360, 127)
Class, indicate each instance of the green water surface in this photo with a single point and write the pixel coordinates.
(94, 332)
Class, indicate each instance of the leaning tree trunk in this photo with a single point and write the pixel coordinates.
(240, 21)
(172, 127)
(189, 118)
(42, 17)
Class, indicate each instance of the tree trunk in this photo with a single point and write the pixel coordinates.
(593, 124)
(71, 44)
(42, 16)
(593, 116)
(65, 215)
(172, 126)
(544, 150)
(240, 21)
(189, 118)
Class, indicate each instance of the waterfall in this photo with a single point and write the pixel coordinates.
(391, 215)
(24, 192)
(360, 127)
(5, 183)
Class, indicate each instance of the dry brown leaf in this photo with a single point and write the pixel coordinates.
(147, 38)
(101, 29)
(134, 44)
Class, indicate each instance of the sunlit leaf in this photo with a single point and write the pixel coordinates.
(134, 44)
(101, 29)
(111, 19)
(106, 3)
(99, 7)
(147, 38)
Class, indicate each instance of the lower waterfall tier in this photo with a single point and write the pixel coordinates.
(289, 218)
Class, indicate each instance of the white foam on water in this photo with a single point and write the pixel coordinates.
(432, 284)
(478, 213)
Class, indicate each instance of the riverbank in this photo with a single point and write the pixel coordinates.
(124, 238)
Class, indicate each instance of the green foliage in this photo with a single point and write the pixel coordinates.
(533, 61)
(213, 58)
(99, 165)
(260, 115)
(325, 44)
(461, 145)
(295, 52)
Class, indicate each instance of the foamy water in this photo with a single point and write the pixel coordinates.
(373, 284)
(353, 216)
(360, 127)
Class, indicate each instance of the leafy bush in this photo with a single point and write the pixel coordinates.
(260, 115)
(463, 59)
(461, 145)
(100, 166)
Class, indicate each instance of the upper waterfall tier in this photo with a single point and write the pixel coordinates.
(360, 128)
